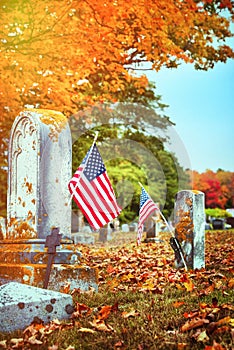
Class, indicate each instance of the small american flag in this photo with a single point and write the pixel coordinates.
(92, 191)
(147, 206)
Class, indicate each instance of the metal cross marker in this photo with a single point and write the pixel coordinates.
(52, 241)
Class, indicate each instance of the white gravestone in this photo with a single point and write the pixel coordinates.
(20, 305)
(39, 170)
(190, 227)
(40, 156)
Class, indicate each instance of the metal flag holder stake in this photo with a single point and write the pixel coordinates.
(174, 243)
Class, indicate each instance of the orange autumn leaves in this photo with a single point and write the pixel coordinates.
(150, 268)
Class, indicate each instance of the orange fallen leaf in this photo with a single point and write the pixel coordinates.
(221, 330)
(110, 269)
(231, 283)
(191, 314)
(215, 346)
(66, 288)
(131, 313)
(178, 303)
(189, 285)
(195, 323)
(224, 320)
(81, 310)
(104, 312)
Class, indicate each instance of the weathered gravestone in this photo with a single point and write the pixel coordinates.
(38, 200)
(103, 234)
(190, 228)
(20, 305)
(125, 228)
(153, 230)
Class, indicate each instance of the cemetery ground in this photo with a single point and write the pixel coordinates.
(143, 302)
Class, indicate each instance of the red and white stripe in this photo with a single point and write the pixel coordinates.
(148, 207)
(95, 198)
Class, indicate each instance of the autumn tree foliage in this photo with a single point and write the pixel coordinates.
(57, 54)
(217, 186)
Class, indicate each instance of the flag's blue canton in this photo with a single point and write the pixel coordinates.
(95, 166)
(144, 197)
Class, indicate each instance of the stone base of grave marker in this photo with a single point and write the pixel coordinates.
(20, 305)
(103, 234)
(26, 261)
(190, 227)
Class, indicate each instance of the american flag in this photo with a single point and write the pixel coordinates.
(92, 191)
(147, 206)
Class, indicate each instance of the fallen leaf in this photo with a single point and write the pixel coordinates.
(104, 312)
(119, 344)
(110, 269)
(17, 342)
(70, 347)
(34, 341)
(178, 303)
(203, 337)
(191, 314)
(181, 346)
(86, 330)
(81, 310)
(222, 329)
(231, 283)
(189, 285)
(224, 320)
(197, 322)
(215, 346)
(3, 344)
(131, 313)
(66, 288)
(101, 326)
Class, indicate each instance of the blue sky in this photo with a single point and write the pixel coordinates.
(202, 106)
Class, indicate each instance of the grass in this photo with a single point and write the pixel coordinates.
(150, 305)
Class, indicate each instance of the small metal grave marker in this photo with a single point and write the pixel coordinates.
(52, 241)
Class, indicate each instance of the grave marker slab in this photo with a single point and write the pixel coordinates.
(21, 304)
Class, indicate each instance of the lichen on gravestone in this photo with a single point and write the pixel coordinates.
(56, 122)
